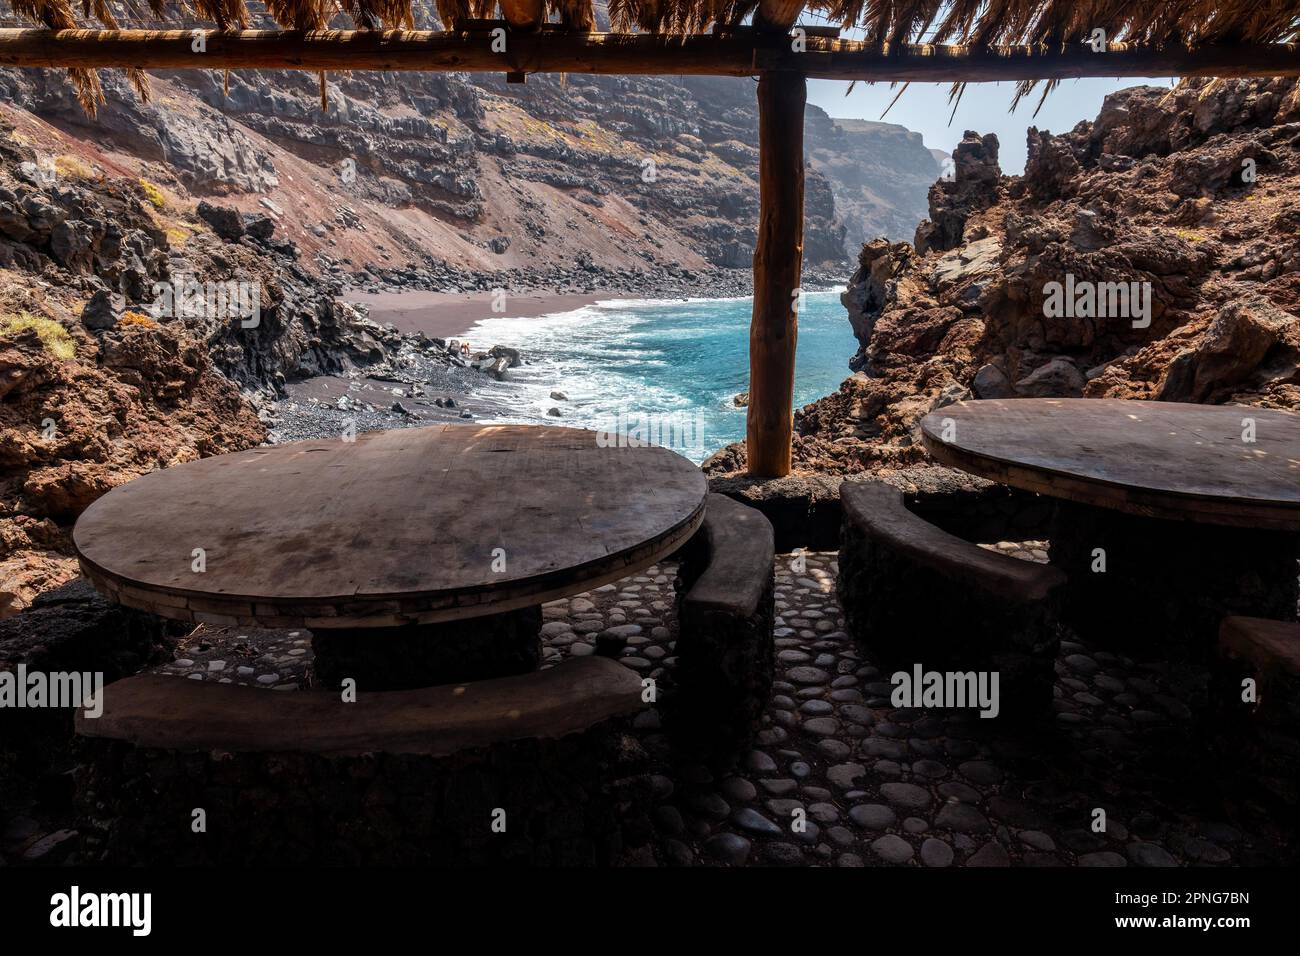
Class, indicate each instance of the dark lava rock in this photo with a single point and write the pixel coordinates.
(225, 222)
(258, 225)
(103, 311)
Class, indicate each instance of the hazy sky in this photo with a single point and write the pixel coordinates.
(924, 107)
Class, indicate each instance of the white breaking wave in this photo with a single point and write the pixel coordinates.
(621, 357)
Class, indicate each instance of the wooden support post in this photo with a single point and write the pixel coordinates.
(778, 266)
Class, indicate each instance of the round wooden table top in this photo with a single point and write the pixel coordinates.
(1159, 459)
(413, 525)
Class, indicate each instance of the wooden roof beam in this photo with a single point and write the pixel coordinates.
(744, 53)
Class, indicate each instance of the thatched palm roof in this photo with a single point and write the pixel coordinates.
(980, 22)
(1051, 24)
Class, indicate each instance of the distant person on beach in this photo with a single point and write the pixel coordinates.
(464, 348)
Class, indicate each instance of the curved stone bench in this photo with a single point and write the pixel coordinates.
(67, 630)
(1258, 742)
(914, 594)
(399, 777)
(725, 614)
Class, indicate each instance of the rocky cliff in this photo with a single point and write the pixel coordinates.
(560, 175)
(94, 388)
(879, 174)
(1183, 205)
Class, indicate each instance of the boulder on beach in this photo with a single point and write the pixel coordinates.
(496, 367)
(559, 397)
(502, 351)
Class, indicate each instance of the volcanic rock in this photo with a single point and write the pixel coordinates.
(225, 222)
(103, 311)
(1143, 199)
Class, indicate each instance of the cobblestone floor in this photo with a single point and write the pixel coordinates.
(874, 784)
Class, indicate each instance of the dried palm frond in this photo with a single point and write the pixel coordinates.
(451, 12)
(624, 14)
(57, 15)
(733, 12)
(305, 15)
(574, 14)
(100, 11)
(382, 14)
(226, 14)
(1046, 24)
(897, 96)
(973, 22)
(90, 93)
(954, 97)
(1056, 22)
(138, 79)
(140, 83)
(301, 14)
(363, 14)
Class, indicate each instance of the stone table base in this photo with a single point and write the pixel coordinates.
(422, 655)
(1168, 585)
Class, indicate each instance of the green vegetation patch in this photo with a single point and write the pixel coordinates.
(153, 193)
(53, 336)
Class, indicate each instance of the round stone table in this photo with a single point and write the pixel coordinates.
(1171, 516)
(414, 556)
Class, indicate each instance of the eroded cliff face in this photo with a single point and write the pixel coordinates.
(95, 390)
(879, 174)
(556, 177)
(1186, 202)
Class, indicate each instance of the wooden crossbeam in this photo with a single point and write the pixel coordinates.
(739, 54)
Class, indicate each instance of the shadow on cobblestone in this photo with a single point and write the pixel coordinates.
(841, 777)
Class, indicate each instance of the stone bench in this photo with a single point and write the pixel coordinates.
(725, 615)
(400, 777)
(69, 629)
(914, 594)
(1258, 742)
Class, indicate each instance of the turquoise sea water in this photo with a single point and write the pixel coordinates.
(659, 368)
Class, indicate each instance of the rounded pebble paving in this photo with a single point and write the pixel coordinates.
(839, 777)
